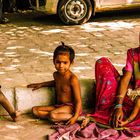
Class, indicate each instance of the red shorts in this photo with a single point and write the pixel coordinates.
(67, 104)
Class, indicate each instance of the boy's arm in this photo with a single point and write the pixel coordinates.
(36, 86)
(77, 99)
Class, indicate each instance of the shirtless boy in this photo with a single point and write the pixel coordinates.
(67, 88)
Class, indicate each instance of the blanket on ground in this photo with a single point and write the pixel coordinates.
(91, 132)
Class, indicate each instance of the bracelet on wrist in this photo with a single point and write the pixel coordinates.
(118, 106)
(120, 96)
(129, 120)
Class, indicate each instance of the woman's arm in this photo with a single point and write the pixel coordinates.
(122, 89)
(123, 86)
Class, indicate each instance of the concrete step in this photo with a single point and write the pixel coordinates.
(23, 98)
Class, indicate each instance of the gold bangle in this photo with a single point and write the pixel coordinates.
(129, 120)
(119, 96)
(118, 106)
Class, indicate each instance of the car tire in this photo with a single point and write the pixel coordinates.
(74, 11)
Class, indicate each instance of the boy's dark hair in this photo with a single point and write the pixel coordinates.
(63, 49)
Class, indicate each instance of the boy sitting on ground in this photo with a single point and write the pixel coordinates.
(67, 88)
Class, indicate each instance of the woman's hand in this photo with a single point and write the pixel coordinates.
(123, 123)
(117, 117)
(34, 86)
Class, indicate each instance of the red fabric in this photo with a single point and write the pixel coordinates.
(91, 132)
(106, 87)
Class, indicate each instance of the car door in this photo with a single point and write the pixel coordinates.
(112, 2)
(133, 1)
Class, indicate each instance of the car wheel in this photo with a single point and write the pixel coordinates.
(74, 11)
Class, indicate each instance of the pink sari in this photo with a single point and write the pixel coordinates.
(106, 88)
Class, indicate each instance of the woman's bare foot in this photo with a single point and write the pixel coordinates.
(85, 122)
(16, 115)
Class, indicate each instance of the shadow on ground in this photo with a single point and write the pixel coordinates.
(116, 15)
(27, 128)
(32, 18)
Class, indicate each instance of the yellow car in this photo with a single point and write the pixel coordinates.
(79, 11)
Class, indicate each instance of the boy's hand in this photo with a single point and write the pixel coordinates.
(71, 121)
(34, 86)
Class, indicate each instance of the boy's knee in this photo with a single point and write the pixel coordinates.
(53, 116)
(35, 111)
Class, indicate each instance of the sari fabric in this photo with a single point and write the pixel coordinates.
(133, 65)
(106, 89)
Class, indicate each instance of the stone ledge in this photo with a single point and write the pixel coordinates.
(23, 98)
(26, 98)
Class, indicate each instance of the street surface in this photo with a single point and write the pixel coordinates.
(27, 45)
(28, 42)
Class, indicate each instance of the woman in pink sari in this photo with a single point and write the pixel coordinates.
(114, 106)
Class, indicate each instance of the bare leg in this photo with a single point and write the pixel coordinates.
(8, 107)
(42, 111)
(63, 113)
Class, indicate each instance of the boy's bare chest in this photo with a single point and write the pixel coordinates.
(63, 86)
(63, 89)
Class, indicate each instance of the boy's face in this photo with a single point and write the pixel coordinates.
(62, 63)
